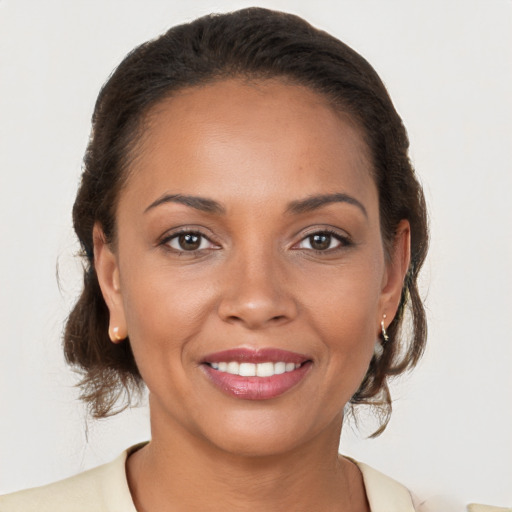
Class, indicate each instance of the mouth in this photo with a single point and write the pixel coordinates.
(255, 374)
(266, 369)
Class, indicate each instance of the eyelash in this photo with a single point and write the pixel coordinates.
(165, 242)
(344, 241)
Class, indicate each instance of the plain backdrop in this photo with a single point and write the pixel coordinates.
(448, 67)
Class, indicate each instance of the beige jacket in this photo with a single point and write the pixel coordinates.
(105, 489)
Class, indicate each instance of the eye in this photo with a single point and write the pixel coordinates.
(189, 241)
(322, 241)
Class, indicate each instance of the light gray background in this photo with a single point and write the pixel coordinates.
(448, 66)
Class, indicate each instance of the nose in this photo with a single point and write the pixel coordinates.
(256, 293)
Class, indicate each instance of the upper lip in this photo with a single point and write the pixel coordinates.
(261, 355)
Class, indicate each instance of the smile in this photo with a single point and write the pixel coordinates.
(256, 374)
(267, 369)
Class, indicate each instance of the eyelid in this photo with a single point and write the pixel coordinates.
(203, 239)
(173, 234)
(344, 239)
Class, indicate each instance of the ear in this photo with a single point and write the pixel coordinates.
(107, 270)
(396, 269)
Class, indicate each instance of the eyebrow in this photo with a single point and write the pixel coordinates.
(308, 204)
(199, 203)
(314, 202)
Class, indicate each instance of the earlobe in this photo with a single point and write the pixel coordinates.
(107, 270)
(396, 270)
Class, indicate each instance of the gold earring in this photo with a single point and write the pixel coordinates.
(383, 329)
(114, 335)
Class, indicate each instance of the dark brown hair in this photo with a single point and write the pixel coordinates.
(251, 43)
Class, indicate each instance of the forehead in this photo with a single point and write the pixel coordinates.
(250, 139)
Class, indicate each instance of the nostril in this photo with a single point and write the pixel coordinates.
(256, 311)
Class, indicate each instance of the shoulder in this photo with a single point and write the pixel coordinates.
(384, 493)
(104, 489)
(475, 507)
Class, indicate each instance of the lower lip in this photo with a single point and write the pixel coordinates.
(256, 388)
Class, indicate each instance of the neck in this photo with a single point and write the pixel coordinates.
(181, 471)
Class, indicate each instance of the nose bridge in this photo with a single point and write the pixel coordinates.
(255, 292)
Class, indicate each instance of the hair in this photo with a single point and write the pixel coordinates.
(252, 44)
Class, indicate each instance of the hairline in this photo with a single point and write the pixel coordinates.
(139, 131)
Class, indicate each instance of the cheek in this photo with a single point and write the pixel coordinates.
(345, 298)
(163, 311)
(343, 307)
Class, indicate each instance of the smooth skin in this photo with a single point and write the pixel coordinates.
(220, 245)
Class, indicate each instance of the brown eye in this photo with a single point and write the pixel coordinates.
(320, 241)
(323, 241)
(189, 241)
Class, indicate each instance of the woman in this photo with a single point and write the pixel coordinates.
(253, 232)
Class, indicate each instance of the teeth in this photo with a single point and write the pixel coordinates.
(279, 368)
(232, 367)
(290, 367)
(267, 369)
(247, 370)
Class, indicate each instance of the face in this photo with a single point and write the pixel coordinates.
(249, 270)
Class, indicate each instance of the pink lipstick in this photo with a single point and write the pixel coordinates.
(256, 374)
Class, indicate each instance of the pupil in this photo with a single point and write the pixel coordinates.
(189, 241)
(320, 242)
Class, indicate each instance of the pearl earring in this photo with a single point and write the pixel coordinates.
(114, 335)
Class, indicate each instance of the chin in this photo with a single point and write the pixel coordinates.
(265, 434)
(255, 443)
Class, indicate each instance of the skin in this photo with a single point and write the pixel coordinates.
(256, 281)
